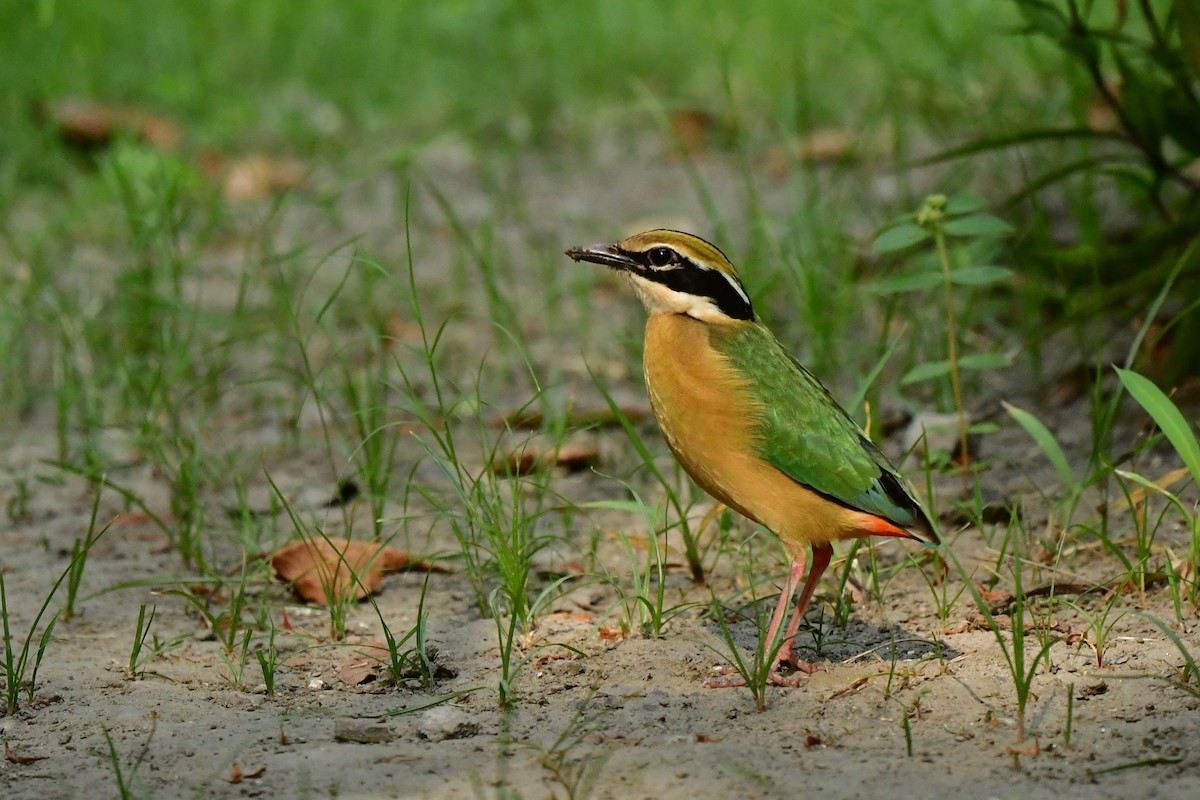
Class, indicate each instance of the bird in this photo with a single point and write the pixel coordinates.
(752, 426)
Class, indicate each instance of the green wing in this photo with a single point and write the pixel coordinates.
(807, 436)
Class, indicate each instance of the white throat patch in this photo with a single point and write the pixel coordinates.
(659, 299)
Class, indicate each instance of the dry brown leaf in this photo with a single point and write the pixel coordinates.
(821, 146)
(360, 668)
(88, 125)
(697, 130)
(1138, 494)
(400, 329)
(1028, 750)
(357, 671)
(137, 518)
(578, 418)
(516, 463)
(1183, 566)
(576, 456)
(571, 456)
(237, 776)
(257, 177)
(635, 541)
(11, 755)
(845, 690)
(824, 145)
(323, 568)
(610, 634)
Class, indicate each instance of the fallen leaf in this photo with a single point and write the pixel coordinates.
(11, 755)
(609, 634)
(257, 177)
(568, 616)
(1139, 493)
(697, 130)
(824, 145)
(360, 668)
(237, 776)
(577, 418)
(570, 456)
(576, 456)
(400, 329)
(516, 464)
(137, 518)
(1003, 596)
(821, 146)
(88, 125)
(358, 671)
(321, 569)
(542, 661)
(848, 689)
(1028, 750)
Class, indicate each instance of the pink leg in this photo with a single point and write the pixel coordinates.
(785, 598)
(820, 560)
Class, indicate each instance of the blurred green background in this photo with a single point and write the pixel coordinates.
(309, 73)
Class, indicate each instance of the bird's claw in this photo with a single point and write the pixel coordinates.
(727, 676)
(807, 667)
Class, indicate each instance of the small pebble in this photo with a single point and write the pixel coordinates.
(362, 731)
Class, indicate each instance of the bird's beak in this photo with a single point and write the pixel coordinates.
(606, 254)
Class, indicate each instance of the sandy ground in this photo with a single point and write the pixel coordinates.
(902, 704)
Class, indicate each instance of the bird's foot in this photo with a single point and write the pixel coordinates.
(728, 676)
(806, 667)
(725, 678)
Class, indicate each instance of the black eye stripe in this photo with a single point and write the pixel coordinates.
(657, 258)
(681, 274)
(708, 283)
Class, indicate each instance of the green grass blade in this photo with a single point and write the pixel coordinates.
(1045, 440)
(1166, 415)
(989, 143)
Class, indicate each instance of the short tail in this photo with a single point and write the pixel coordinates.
(920, 529)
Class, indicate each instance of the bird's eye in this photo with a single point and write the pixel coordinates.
(661, 256)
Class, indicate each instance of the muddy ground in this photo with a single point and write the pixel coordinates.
(902, 704)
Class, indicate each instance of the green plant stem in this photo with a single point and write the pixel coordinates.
(939, 238)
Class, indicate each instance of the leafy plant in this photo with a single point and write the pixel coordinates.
(79, 553)
(141, 631)
(1021, 668)
(1137, 66)
(1178, 432)
(1100, 622)
(754, 672)
(939, 220)
(20, 667)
